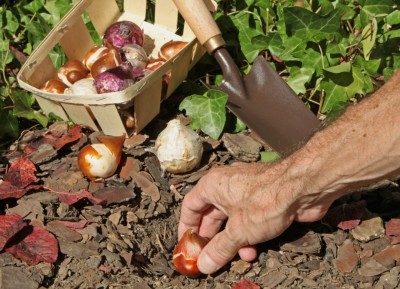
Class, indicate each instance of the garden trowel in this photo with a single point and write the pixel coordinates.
(261, 99)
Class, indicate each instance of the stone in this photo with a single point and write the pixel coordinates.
(388, 256)
(299, 240)
(12, 278)
(369, 229)
(242, 147)
(273, 279)
(372, 268)
(347, 257)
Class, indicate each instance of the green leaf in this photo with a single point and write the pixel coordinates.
(299, 77)
(311, 26)
(12, 23)
(248, 27)
(57, 8)
(23, 107)
(378, 7)
(8, 124)
(207, 111)
(393, 18)
(369, 37)
(267, 157)
(339, 69)
(240, 125)
(340, 85)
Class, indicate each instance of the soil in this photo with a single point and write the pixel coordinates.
(128, 242)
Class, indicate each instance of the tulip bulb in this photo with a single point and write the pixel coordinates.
(178, 148)
(101, 160)
(72, 71)
(187, 252)
(82, 87)
(54, 86)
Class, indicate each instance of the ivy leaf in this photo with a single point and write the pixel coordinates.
(309, 25)
(341, 83)
(378, 7)
(57, 8)
(393, 18)
(8, 124)
(369, 37)
(248, 27)
(267, 157)
(23, 107)
(207, 111)
(298, 77)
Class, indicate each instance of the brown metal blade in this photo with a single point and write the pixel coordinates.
(266, 104)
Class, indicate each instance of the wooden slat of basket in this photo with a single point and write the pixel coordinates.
(179, 70)
(147, 104)
(102, 13)
(109, 119)
(39, 71)
(166, 15)
(49, 106)
(77, 41)
(79, 114)
(137, 8)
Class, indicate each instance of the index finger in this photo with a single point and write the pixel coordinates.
(192, 210)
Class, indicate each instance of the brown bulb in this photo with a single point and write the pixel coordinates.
(72, 71)
(54, 86)
(110, 60)
(170, 49)
(94, 54)
(154, 64)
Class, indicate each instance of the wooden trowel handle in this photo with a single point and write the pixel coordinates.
(202, 23)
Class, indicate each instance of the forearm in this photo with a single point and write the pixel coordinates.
(361, 147)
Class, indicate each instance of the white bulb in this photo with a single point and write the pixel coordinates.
(178, 148)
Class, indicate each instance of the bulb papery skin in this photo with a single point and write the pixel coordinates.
(97, 160)
(186, 253)
(178, 148)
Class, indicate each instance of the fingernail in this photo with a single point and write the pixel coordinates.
(206, 265)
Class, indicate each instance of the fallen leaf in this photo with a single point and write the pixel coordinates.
(10, 225)
(114, 195)
(58, 138)
(346, 216)
(245, 284)
(33, 245)
(7, 190)
(71, 198)
(73, 134)
(393, 231)
(148, 187)
(74, 225)
(21, 173)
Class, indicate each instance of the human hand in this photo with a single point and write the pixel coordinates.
(258, 201)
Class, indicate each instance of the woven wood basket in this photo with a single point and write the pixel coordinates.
(105, 112)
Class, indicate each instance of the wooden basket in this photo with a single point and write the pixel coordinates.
(141, 100)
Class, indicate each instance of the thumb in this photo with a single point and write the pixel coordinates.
(219, 251)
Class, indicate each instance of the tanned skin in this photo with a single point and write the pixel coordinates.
(258, 202)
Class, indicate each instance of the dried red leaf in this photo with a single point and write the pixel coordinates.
(33, 245)
(393, 231)
(71, 198)
(10, 225)
(7, 190)
(73, 134)
(56, 138)
(245, 284)
(346, 216)
(21, 173)
(74, 225)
